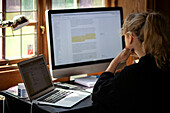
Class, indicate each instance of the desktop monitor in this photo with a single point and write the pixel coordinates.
(82, 41)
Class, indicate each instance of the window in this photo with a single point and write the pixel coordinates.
(20, 43)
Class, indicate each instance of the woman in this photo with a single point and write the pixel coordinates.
(130, 91)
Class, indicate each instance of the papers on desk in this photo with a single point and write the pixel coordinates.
(90, 90)
(87, 81)
(13, 90)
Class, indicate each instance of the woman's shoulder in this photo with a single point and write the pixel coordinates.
(146, 67)
(145, 63)
(132, 68)
(142, 68)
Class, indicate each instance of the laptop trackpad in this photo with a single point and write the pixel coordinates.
(70, 100)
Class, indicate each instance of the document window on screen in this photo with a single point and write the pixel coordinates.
(82, 41)
(81, 37)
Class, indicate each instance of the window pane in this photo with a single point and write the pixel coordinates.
(28, 5)
(31, 16)
(12, 5)
(9, 32)
(85, 3)
(58, 4)
(12, 46)
(0, 47)
(98, 3)
(71, 3)
(0, 5)
(10, 16)
(28, 45)
(28, 30)
(0, 16)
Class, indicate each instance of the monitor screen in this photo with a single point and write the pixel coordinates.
(82, 41)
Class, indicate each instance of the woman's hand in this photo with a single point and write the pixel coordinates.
(121, 57)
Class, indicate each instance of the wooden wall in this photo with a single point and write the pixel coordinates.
(130, 6)
(9, 78)
(163, 6)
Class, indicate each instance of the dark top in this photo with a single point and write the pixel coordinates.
(131, 90)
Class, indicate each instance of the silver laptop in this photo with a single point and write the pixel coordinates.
(39, 85)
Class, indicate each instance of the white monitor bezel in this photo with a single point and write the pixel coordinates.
(76, 68)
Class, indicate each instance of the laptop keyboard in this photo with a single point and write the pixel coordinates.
(55, 96)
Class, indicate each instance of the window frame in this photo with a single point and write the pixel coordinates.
(3, 61)
(4, 12)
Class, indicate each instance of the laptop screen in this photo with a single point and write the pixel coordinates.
(35, 75)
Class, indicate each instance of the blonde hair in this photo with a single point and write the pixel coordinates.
(152, 31)
(157, 40)
(135, 23)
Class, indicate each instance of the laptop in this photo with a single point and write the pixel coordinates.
(40, 88)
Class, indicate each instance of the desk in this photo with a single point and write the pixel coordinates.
(16, 105)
